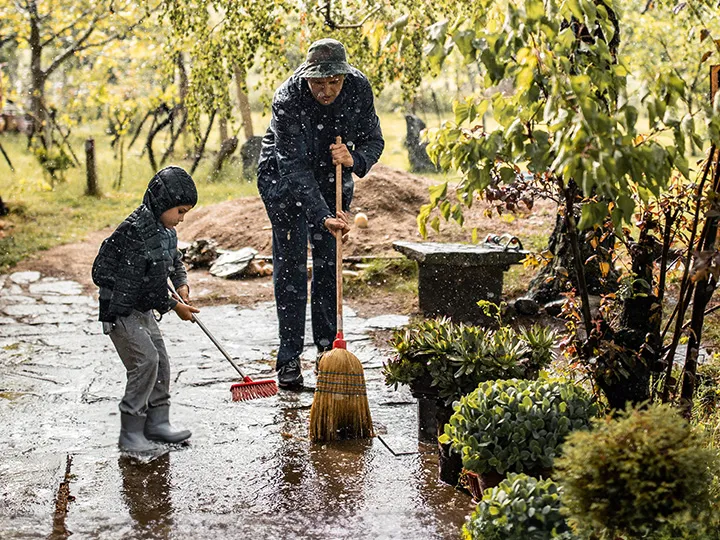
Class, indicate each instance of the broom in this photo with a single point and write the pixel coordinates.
(246, 390)
(340, 407)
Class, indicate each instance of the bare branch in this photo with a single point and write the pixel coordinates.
(333, 25)
(68, 27)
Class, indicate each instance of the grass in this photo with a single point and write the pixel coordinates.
(394, 275)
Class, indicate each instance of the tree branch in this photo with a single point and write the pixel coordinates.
(334, 26)
(63, 30)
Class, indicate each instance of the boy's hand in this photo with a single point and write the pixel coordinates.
(185, 312)
(184, 292)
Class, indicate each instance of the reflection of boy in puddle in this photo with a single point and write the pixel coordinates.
(146, 490)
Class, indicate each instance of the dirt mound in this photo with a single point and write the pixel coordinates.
(390, 197)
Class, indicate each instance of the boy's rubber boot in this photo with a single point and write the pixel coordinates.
(158, 427)
(132, 438)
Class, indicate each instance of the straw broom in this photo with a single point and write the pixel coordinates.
(340, 407)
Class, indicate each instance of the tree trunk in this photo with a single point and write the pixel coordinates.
(37, 82)
(244, 104)
(704, 290)
(91, 170)
(226, 149)
(559, 275)
(223, 130)
(201, 148)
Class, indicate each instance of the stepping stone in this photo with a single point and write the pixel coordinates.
(23, 278)
(69, 288)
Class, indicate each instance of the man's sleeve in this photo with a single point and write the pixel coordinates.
(370, 143)
(294, 163)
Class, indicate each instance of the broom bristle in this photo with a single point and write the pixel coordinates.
(340, 408)
(253, 390)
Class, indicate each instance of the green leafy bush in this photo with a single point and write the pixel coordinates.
(455, 358)
(516, 425)
(520, 508)
(633, 474)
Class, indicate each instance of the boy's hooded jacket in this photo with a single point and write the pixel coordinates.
(133, 264)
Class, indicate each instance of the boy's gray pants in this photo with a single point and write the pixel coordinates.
(140, 345)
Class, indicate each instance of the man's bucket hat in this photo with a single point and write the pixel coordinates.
(325, 58)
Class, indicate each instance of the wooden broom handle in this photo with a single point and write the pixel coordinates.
(338, 243)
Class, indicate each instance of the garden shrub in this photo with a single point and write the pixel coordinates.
(636, 475)
(520, 508)
(516, 425)
(455, 357)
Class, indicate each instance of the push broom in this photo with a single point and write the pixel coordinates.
(340, 407)
(248, 388)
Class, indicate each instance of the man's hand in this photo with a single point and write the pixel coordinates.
(185, 312)
(341, 155)
(339, 224)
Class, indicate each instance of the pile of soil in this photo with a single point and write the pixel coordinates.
(391, 199)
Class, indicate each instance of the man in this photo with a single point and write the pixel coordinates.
(324, 98)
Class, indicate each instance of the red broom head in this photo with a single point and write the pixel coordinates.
(250, 389)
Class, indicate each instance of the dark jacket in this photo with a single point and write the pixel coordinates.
(134, 263)
(295, 164)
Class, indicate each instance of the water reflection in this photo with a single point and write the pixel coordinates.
(340, 471)
(146, 490)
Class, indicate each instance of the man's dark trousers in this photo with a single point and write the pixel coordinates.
(290, 238)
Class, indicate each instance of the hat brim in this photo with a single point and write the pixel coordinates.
(323, 69)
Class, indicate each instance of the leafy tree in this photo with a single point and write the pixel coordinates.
(571, 126)
(54, 34)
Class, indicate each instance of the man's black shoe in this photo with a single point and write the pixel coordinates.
(318, 357)
(290, 375)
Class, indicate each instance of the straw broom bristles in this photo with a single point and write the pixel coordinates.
(340, 408)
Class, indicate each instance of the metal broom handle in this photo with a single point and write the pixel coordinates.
(338, 243)
(204, 329)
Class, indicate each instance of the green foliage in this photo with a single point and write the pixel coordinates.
(520, 508)
(557, 88)
(516, 425)
(707, 391)
(456, 357)
(635, 474)
(54, 161)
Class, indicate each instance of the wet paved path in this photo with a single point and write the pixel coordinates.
(250, 470)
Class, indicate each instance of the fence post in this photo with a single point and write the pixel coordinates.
(92, 187)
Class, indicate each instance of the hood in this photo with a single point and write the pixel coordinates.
(170, 187)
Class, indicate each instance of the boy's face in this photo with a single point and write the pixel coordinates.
(170, 218)
(326, 89)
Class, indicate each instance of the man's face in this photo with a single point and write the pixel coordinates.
(175, 215)
(326, 89)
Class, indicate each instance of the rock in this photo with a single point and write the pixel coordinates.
(23, 278)
(554, 308)
(526, 306)
(232, 264)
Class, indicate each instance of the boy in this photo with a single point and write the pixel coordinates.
(132, 269)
